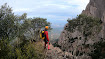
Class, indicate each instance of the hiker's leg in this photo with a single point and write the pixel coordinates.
(48, 45)
(45, 45)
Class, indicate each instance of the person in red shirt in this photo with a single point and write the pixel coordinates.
(46, 40)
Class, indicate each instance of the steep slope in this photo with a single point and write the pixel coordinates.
(80, 35)
(84, 35)
(96, 8)
(57, 53)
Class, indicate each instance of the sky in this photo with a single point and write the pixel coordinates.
(56, 11)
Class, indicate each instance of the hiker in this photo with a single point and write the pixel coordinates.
(44, 36)
(46, 40)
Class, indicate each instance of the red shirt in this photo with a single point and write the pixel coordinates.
(46, 33)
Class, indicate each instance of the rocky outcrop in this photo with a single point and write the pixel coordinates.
(57, 53)
(80, 35)
(96, 8)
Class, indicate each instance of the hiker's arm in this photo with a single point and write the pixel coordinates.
(47, 36)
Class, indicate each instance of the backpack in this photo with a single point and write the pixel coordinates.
(42, 36)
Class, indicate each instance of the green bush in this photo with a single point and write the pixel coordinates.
(14, 35)
(29, 51)
(26, 51)
(85, 24)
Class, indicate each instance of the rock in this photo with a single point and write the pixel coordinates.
(75, 42)
(68, 54)
(57, 53)
(96, 8)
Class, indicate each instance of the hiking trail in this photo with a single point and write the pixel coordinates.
(56, 53)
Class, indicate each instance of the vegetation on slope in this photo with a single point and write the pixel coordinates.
(17, 34)
(85, 24)
(89, 27)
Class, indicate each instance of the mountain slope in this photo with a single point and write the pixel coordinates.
(80, 35)
(96, 8)
(85, 35)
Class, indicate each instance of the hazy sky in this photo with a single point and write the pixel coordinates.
(56, 11)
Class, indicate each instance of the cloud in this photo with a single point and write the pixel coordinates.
(53, 10)
(22, 10)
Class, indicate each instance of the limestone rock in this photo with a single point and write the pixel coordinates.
(96, 8)
(75, 42)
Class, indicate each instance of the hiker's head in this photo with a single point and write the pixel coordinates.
(46, 27)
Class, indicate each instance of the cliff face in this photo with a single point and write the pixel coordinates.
(82, 33)
(96, 8)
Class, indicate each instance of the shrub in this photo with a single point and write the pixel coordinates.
(85, 24)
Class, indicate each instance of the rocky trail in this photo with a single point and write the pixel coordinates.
(56, 53)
